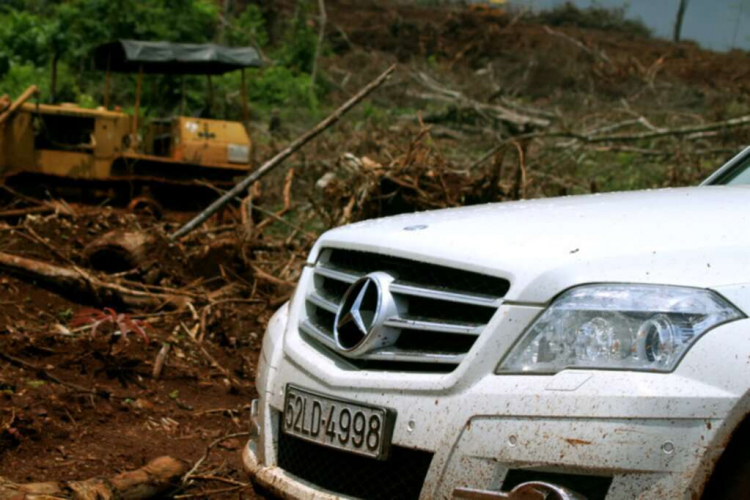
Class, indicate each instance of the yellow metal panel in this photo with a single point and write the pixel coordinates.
(17, 146)
(72, 110)
(203, 130)
(109, 132)
(66, 163)
(204, 142)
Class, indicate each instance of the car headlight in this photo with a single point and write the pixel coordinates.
(626, 327)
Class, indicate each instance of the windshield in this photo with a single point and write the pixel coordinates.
(735, 172)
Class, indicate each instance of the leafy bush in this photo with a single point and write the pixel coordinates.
(22, 75)
(279, 85)
(298, 51)
(595, 16)
(249, 28)
(25, 36)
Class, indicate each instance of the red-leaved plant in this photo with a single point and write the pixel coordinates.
(110, 318)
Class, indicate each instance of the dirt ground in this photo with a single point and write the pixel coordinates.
(78, 402)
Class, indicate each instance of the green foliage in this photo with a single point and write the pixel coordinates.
(298, 51)
(279, 85)
(36, 35)
(25, 37)
(22, 75)
(374, 114)
(249, 28)
(595, 16)
(92, 22)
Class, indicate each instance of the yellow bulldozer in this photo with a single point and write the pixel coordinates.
(112, 154)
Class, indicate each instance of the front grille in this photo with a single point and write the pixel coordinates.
(441, 310)
(400, 477)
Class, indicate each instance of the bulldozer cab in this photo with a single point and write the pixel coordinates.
(71, 142)
(195, 141)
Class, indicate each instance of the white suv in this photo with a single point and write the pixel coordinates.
(590, 347)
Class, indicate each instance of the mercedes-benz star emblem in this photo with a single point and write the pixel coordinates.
(360, 324)
(357, 314)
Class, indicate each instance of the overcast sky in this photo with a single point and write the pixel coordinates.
(712, 23)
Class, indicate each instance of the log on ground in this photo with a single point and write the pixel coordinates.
(155, 478)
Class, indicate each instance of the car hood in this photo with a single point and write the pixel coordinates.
(695, 236)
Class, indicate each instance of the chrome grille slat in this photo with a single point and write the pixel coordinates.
(318, 333)
(402, 355)
(336, 274)
(321, 301)
(441, 311)
(431, 293)
(433, 326)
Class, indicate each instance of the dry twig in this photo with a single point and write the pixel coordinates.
(210, 447)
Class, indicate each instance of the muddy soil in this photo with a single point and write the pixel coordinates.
(79, 402)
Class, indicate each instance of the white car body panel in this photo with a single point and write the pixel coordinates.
(658, 435)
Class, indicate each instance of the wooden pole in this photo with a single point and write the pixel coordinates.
(107, 80)
(53, 78)
(283, 155)
(182, 100)
(243, 93)
(136, 111)
(210, 97)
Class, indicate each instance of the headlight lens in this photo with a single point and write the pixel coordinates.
(627, 327)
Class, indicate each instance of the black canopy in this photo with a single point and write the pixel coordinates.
(129, 56)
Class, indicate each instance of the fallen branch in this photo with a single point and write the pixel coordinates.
(161, 358)
(262, 275)
(693, 132)
(711, 127)
(20, 212)
(283, 155)
(234, 384)
(79, 282)
(287, 201)
(247, 201)
(156, 478)
(593, 53)
(489, 111)
(208, 493)
(211, 446)
(221, 480)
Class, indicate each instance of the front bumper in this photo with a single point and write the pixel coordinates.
(637, 435)
(276, 480)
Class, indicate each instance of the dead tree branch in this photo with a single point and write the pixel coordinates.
(711, 127)
(210, 447)
(489, 111)
(78, 281)
(596, 54)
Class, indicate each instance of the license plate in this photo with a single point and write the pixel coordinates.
(353, 427)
